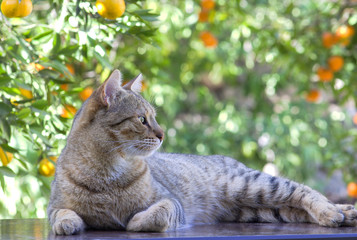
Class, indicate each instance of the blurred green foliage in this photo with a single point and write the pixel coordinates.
(245, 98)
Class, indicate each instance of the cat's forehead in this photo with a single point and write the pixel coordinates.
(136, 102)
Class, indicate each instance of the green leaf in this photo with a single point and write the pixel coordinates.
(59, 67)
(56, 43)
(7, 148)
(16, 56)
(145, 14)
(11, 91)
(2, 181)
(23, 164)
(6, 129)
(42, 35)
(48, 73)
(24, 45)
(68, 51)
(104, 61)
(4, 109)
(5, 171)
(40, 104)
(4, 80)
(23, 113)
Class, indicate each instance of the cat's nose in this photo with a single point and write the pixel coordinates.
(160, 135)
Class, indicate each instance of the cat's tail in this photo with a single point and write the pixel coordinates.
(274, 215)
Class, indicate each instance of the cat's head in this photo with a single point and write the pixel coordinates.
(117, 119)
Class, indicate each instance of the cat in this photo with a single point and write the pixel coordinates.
(109, 176)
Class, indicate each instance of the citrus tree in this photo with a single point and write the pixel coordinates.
(271, 83)
(49, 63)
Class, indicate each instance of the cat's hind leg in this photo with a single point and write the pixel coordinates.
(65, 222)
(251, 188)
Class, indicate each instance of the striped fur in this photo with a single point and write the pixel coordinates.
(109, 176)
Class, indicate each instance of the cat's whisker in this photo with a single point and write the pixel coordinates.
(128, 146)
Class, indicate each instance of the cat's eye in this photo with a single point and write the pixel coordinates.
(142, 119)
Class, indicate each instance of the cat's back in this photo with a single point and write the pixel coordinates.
(189, 164)
(193, 170)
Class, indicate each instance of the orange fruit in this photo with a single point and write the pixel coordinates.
(16, 8)
(207, 4)
(5, 157)
(85, 93)
(325, 74)
(208, 39)
(68, 111)
(26, 93)
(335, 63)
(329, 39)
(355, 119)
(345, 31)
(64, 87)
(110, 9)
(70, 69)
(14, 101)
(203, 16)
(46, 168)
(36, 66)
(352, 189)
(313, 95)
(144, 86)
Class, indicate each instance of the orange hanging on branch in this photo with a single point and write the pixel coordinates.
(64, 87)
(16, 8)
(85, 93)
(26, 93)
(68, 111)
(345, 31)
(324, 74)
(203, 16)
(47, 168)
(335, 63)
(208, 39)
(110, 9)
(207, 4)
(352, 189)
(329, 39)
(5, 157)
(313, 96)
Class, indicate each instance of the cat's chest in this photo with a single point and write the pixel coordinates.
(112, 201)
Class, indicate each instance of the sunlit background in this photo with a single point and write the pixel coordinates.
(253, 80)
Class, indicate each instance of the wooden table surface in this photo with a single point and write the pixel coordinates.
(39, 229)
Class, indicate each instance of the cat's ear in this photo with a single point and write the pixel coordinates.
(135, 84)
(111, 86)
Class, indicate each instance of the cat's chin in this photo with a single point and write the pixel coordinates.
(142, 153)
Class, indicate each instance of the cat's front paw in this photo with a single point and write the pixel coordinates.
(146, 222)
(67, 226)
(350, 214)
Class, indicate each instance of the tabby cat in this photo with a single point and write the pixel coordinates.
(109, 176)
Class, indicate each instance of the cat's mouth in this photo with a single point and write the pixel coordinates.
(149, 144)
(144, 147)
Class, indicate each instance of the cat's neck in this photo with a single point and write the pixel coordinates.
(102, 164)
